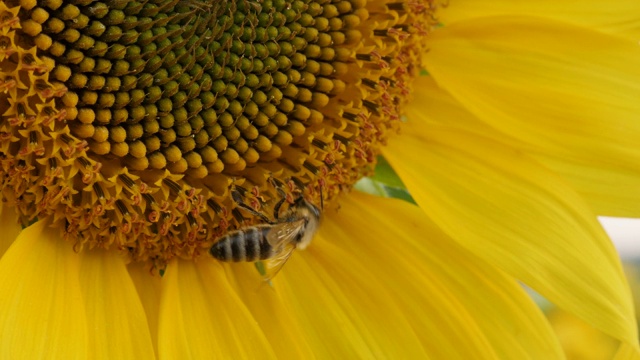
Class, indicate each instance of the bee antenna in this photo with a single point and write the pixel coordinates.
(321, 200)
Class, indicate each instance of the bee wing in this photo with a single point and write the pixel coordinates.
(282, 238)
(284, 233)
(274, 265)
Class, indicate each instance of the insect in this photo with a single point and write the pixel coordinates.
(273, 241)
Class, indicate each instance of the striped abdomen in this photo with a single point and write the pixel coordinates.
(248, 244)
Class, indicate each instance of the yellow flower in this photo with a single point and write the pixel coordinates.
(135, 134)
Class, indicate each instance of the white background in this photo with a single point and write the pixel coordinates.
(625, 234)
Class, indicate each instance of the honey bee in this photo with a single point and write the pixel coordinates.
(273, 241)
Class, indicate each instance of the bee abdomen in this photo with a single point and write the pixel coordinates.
(243, 245)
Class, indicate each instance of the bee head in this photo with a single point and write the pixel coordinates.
(302, 204)
(311, 214)
(314, 210)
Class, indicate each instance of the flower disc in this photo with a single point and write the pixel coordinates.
(128, 122)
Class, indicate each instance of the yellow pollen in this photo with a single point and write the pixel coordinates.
(128, 122)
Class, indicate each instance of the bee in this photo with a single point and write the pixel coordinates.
(273, 241)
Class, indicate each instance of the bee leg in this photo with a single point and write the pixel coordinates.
(237, 197)
(278, 185)
(283, 198)
(276, 209)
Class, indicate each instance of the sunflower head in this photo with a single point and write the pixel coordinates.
(127, 122)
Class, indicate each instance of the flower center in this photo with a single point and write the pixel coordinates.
(129, 122)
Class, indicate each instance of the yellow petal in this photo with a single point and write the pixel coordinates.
(340, 302)
(416, 255)
(621, 16)
(201, 316)
(381, 281)
(280, 325)
(10, 227)
(42, 313)
(118, 326)
(342, 315)
(580, 340)
(628, 352)
(609, 190)
(148, 287)
(432, 104)
(517, 215)
(543, 84)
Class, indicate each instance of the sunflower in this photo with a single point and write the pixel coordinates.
(136, 134)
